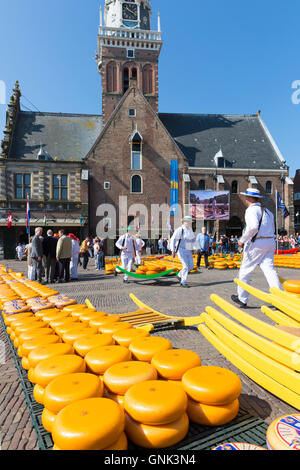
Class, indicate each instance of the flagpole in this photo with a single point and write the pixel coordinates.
(277, 220)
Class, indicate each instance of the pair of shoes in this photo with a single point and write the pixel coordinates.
(237, 301)
(115, 273)
(126, 281)
(184, 285)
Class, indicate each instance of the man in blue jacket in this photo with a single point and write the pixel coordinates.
(202, 243)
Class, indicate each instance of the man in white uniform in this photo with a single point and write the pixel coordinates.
(182, 243)
(128, 246)
(258, 240)
(140, 244)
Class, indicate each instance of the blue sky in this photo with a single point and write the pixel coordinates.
(218, 57)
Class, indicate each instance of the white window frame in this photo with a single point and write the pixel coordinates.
(106, 183)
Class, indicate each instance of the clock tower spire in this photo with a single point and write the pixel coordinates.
(128, 52)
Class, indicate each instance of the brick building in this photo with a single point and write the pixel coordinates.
(297, 201)
(129, 150)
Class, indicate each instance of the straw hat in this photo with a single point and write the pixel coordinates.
(252, 192)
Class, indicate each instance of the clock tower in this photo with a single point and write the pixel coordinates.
(128, 52)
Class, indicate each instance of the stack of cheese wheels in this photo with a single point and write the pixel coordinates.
(213, 395)
(90, 424)
(156, 414)
(45, 351)
(48, 369)
(238, 446)
(127, 336)
(65, 390)
(143, 349)
(173, 363)
(85, 344)
(120, 377)
(101, 358)
(283, 433)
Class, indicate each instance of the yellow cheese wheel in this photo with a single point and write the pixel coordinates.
(125, 337)
(35, 333)
(112, 396)
(155, 402)
(283, 433)
(144, 349)
(101, 321)
(49, 311)
(120, 377)
(210, 415)
(84, 344)
(90, 424)
(112, 328)
(77, 313)
(69, 388)
(48, 419)
(55, 316)
(120, 444)
(67, 325)
(53, 367)
(40, 353)
(9, 319)
(157, 437)
(87, 317)
(212, 385)
(292, 286)
(173, 363)
(75, 308)
(38, 394)
(23, 322)
(30, 326)
(30, 345)
(72, 335)
(102, 358)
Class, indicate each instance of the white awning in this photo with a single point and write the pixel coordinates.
(220, 179)
(252, 180)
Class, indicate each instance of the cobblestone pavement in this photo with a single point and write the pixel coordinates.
(111, 295)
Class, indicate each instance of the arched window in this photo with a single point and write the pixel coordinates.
(125, 80)
(136, 184)
(268, 187)
(147, 80)
(234, 187)
(201, 185)
(111, 77)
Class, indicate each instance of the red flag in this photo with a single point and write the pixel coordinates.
(9, 220)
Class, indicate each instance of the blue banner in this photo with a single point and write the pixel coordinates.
(281, 205)
(174, 187)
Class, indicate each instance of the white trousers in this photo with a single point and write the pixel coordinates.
(30, 273)
(138, 257)
(74, 267)
(186, 259)
(126, 263)
(260, 253)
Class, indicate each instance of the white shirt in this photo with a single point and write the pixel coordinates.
(75, 248)
(129, 243)
(140, 243)
(187, 237)
(252, 218)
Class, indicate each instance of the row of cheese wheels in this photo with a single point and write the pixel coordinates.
(287, 261)
(97, 370)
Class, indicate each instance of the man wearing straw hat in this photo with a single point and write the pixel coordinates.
(128, 246)
(182, 243)
(258, 241)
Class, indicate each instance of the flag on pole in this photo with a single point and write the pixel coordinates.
(27, 216)
(170, 227)
(9, 220)
(281, 205)
(217, 156)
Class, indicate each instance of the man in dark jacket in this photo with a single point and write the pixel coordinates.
(37, 255)
(49, 248)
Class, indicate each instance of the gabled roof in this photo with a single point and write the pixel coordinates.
(243, 139)
(66, 137)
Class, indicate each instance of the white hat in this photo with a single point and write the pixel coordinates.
(252, 192)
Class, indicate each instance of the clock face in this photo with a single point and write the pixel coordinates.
(130, 11)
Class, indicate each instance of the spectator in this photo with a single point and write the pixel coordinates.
(29, 260)
(49, 250)
(63, 255)
(99, 253)
(202, 243)
(84, 252)
(160, 246)
(20, 251)
(37, 255)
